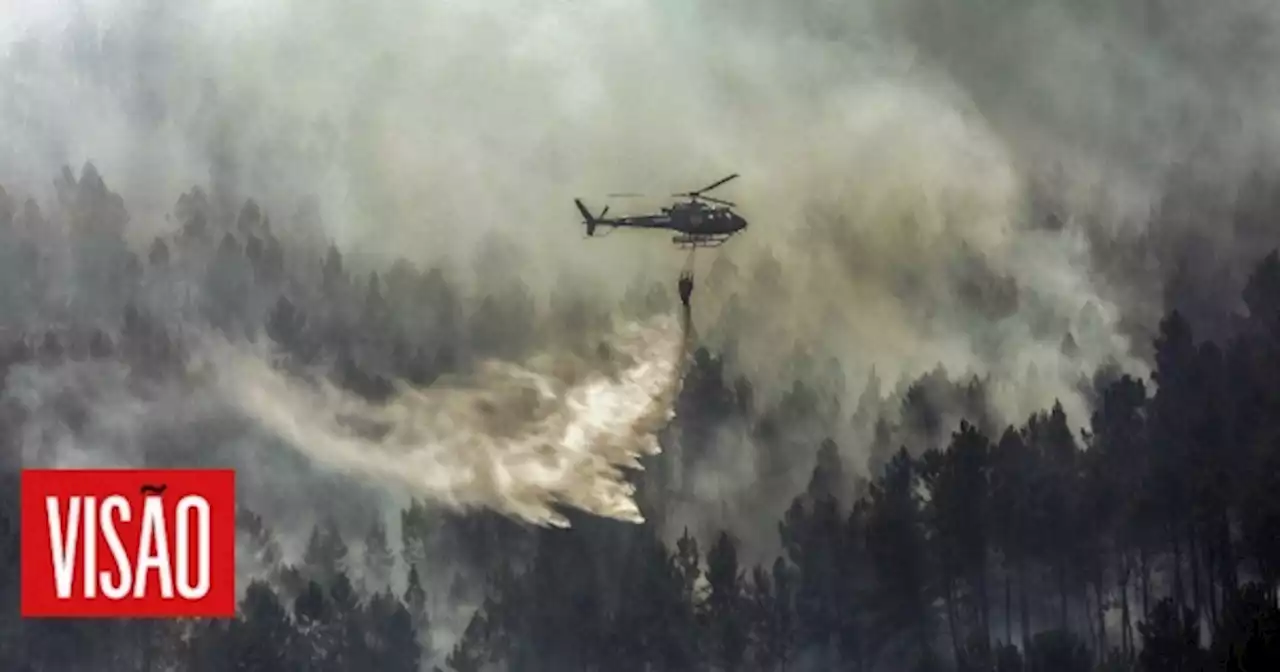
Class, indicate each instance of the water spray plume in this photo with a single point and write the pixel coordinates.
(558, 430)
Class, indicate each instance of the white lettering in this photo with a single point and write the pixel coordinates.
(77, 531)
(90, 547)
(153, 551)
(63, 543)
(115, 591)
(201, 508)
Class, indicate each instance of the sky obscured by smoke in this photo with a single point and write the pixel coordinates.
(899, 160)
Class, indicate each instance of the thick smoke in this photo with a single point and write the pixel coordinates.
(988, 185)
(1013, 190)
(891, 152)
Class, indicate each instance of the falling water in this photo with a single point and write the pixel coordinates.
(520, 439)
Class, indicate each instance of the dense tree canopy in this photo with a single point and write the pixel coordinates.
(1150, 542)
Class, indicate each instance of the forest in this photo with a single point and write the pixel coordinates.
(1149, 541)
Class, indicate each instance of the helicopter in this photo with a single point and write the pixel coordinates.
(697, 223)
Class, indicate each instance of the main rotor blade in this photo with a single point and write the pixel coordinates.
(625, 195)
(717, 200)
(693, 195)
(713, 185)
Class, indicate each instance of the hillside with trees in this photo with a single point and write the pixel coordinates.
(1150, 541)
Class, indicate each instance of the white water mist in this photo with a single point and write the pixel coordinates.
(516, 438)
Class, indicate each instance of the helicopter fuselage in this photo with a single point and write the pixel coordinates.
(700, 225)
(692, 221)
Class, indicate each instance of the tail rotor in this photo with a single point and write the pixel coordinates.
(591, 221)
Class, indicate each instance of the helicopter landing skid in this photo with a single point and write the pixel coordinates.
(692, 242)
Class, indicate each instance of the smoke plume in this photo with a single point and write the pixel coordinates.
(1015, 191)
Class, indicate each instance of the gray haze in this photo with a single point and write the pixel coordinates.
(897, 159)
(912, 133)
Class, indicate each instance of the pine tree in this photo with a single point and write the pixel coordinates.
(326, 553)
(378, 560)
(774, 630)
(415, 600)
(392, 641)
(957, 480)
(260, 639)
(259, 548)
(896, 545)
(724, 611)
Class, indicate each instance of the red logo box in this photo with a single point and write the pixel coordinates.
(160, 543)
